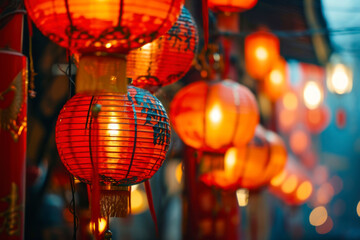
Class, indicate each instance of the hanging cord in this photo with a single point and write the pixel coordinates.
(205, 14)
(69, 73)
(72, 206)
(151, 205)
(32, 92)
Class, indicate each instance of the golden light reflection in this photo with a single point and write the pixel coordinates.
(230, 159)
(242, 196)
(304, 191)
(102, 225)
(290, 101)
(290, 184)
(318, 216)
(279, 179)
(261, 53)
(138, 201)
(312, 94)
(178, 172)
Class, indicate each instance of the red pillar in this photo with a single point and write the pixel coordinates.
(13, 109)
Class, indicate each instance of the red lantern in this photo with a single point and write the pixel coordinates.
(214, 115)
(231, 5)
(250, 166)
(317, 119)
(166, 59)
(262, 50)
(128, 138)
(275, 83)
(103, 25)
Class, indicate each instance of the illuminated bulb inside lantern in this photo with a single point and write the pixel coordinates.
(318, 216)
(102, 225)
(215, 114)
(113, 129)
(242, 196)
(312, 95)
(261, 53)
(304, 191)
(340, 82)
(146, 46)
(108, 45)
(290, 184)
(276, 77)
(178, 172)
(230, 159)
(290, 101)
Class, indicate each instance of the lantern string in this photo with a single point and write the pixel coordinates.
(205, 14)
(151, 205)
(72, 207)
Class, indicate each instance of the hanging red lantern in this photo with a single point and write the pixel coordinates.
(231, 5)
(214, 115)
(262, 50)
(275, 83)
(317, 119)
(103, 25)
(250, 166)
(128, 139)
(166, 59)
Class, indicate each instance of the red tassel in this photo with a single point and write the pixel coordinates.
(205, 13)
(151, 205)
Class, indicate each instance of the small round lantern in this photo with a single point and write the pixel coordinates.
(128, 139)
(262, 50)
(275, 83)
(166, 59)
(211, 116)
(250, 166)
(103, 25)
(231, 5)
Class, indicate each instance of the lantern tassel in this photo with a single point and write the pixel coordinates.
(151, 205)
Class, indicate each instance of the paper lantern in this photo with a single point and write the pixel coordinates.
(128, 138)
(214, 115)
(103, 25)
(250, 166)
(262, 50)
(166, 59)
(299, 140)
(231, 5)
(275, 83)
(316, 120)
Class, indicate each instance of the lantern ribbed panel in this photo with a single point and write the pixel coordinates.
(129, 138)
(233, 106)
(166, 59)
(231, 5)
(91, 24)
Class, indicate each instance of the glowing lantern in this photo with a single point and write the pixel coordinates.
(275, 83)
(231, 5)
(317, 119)
(313, 95)
(103, 25)
(262, 50)
(292, 185)
(339, 78)
(127, 135)
(216, 115)
(250, 166)
(166, 59)
(287, 111)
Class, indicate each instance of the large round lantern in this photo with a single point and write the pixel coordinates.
(103, 25)
(231, 5)
(166, 59)
(128, 137)
(214, 115)
(262, 50)
(250, 166)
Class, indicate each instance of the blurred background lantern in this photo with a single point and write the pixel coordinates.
(313, 94)
(262, 50)
(128, 139)
(250, 166)
(316, 120)
(166, 59)
(299, 140)
(339, 78)
(214, 115)
(103, 25)
(292, 185)
(231, 5)
(276, 83)
(287, 111)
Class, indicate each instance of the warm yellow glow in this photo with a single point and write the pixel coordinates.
(279, 179)
(290, 101)
(261, 53)
(312, 94)
(102, 225)
(178, 172)
(276, 77)
(138, 201)
(289, 184)
(215, 114)
(318, 216)
(242, 196)
(340, 79)
(230, 159)
(146, 46)
(358, 209)
(134, 187)
(304, 191)
(108, 45)
(113, 129)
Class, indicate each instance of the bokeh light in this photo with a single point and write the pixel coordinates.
(102, 225)
(313, 95)
(326, 227)
(242, 196)
(290, 184)
(339, 78)
(299, 141)
(304, 191)
(138, 201)
(318, 216)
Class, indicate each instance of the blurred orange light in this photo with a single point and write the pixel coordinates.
(279, 179)
(299, 141)
(178, 172)
(138, 201)
(290, 101)
(325, 193)
(261, 53)
(102, 225)
(304, 191)
(318, 216)
(289, 184)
